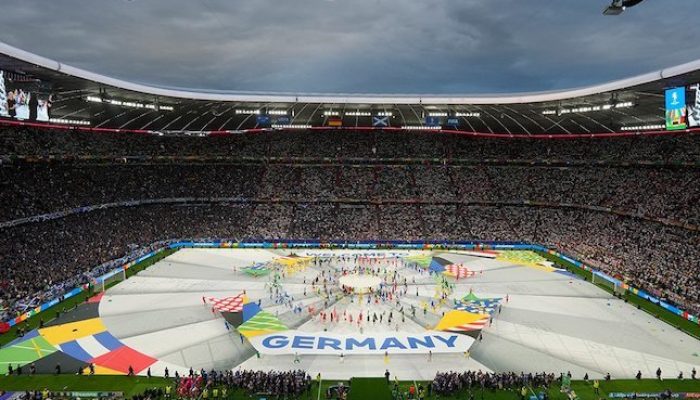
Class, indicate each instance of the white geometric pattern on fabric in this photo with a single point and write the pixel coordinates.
(227, 304)
(472, 326)
(458, 271)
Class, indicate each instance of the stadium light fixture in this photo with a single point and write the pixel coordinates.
(437, 114)
(420, 128)
(277, 112)
(585, 109)
(624, 104)
(291, 126)
(467, 114)
(331, 113)
(240, 111)
(385, 114)
(642, 127)
(129, 104)
(358, 114)
(617, 7)
(69, 121)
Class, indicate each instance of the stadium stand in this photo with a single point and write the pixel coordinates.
(626, 205)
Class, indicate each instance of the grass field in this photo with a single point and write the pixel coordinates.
(584, 390)
(370, 388)
(361, 388)
(130, 386)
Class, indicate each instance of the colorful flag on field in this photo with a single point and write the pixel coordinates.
(470, 297)
(257, 270)
(458, 271)
(459, 321)
(262, 323)
(481, 306)
(226, 304)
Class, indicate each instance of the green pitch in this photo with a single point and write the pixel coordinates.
(129, 385)
(584, 390)
(361, 388)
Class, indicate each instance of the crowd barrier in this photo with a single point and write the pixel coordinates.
(359, 245)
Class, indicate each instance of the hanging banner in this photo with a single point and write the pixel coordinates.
(263, 120)
(4, 111)
(335, 121)
(675, 108)
(380, 121)
(693, 100)
(452, 122)
(432, 121)
(282, 120)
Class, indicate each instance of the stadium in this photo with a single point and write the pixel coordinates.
(160, 242)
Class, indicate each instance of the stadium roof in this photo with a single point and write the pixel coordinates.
(631, 104)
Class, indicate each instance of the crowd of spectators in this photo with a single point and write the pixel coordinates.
(446, 383)
(671, 193)
(369, 192)
(211, 384)
(649, 255)
(205, 384)
(274, 383)
(21, 141)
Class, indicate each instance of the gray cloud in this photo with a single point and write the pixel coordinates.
(429, 46)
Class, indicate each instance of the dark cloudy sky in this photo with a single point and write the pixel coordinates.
(370, 46)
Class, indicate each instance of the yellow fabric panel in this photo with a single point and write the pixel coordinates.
(532, 265)
(457, 318)
(525, 258)
(250, 334)
(74, 330)
(99, 370)
(290, 261)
